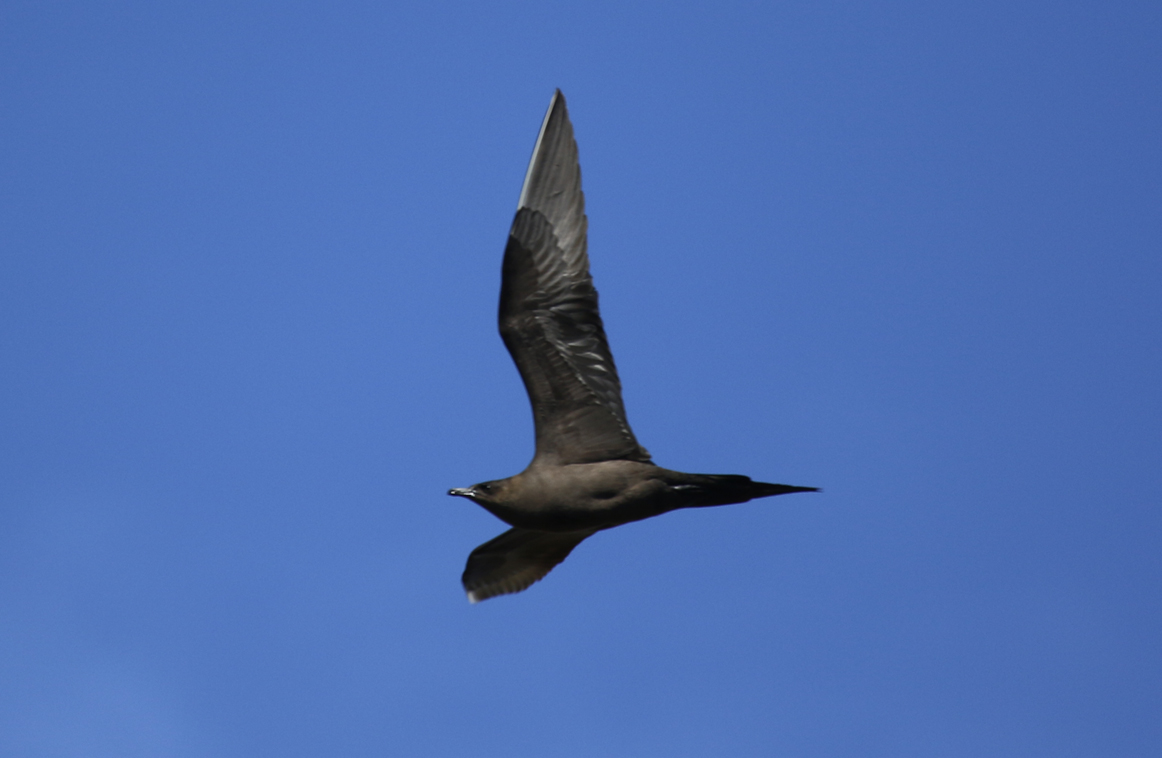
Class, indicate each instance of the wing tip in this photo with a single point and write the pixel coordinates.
(558, 96)
(473, 598)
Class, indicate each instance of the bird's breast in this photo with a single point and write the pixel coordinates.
(584, 496)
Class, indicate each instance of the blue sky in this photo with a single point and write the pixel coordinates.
(906, 252)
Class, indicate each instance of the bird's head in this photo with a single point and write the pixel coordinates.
(485, 493)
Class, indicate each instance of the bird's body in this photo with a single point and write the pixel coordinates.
(576, 495)
(589, 473)
(601, 495)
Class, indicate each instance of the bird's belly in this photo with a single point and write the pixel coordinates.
(587, 507)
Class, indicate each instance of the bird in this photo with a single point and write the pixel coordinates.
(588, 472)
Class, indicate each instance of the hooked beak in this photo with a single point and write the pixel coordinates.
(461, 492)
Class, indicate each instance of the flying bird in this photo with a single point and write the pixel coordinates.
(588, 472)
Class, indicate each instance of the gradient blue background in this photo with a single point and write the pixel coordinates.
(907, 252)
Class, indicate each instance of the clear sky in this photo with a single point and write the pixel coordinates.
(908, 252)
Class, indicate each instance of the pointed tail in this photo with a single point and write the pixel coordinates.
(725, 489)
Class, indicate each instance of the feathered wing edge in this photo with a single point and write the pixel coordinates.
(549, 316)
(515, 560)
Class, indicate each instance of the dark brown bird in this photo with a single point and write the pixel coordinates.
(589, 473)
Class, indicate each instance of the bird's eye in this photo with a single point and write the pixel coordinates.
(485, 488)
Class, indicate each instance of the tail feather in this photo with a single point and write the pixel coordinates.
(725, 489)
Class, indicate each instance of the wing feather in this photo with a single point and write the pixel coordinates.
(514, 560)
(549, 317)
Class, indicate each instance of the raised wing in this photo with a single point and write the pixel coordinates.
(514, 560)
(548, 311)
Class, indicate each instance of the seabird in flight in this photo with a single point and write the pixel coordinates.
(588, 473)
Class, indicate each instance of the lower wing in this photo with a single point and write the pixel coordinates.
(514, 560)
